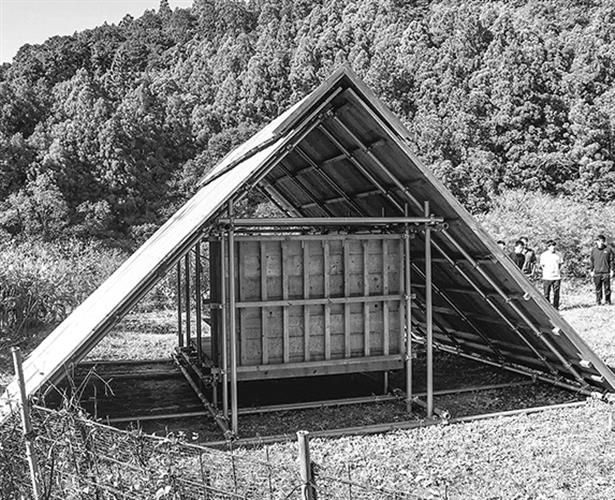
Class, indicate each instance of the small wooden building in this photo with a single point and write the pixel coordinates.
(375, 255)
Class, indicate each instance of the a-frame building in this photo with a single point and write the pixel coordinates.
(341, 162)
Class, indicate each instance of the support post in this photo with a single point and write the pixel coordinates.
(224, 323)
(308, 491)
(187, 296)
(429, 315)
(231, 317)
(180, 337)
(408, 303)
(26, 423)
(198, 300)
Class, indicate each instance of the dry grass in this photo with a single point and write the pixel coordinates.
(146, 335)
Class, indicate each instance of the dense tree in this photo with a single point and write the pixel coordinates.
(106, 131)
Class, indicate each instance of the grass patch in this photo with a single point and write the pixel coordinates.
(559, 454)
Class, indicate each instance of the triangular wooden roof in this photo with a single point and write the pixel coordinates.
(341, 152)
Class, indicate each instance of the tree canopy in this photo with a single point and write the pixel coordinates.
(105, 132)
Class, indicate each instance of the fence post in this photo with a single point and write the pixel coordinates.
(308, 492)
(26, 423)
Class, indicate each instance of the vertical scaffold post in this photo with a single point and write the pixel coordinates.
(180, 337)
(224, 323)
(408, 300)
(429, 314)
(308, 492)
(187, 298)
(231, 317)
(26, 423)
(198, 301)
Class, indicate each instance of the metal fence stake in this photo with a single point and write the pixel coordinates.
(305, 467)
(26, 423)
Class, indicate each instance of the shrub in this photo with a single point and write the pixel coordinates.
(541, 217)
(42, 282)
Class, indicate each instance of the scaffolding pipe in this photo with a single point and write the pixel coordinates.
(408, 301)
(197, 292)
(331, 221)
(223, 318)
(187, 297)
(429, 316)
(180, 337)
(231, 322)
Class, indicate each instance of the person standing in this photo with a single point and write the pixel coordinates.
(550, 263)
(529, 266)
(602, 263)
(517, 255)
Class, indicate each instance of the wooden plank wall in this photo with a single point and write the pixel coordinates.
(286, 270)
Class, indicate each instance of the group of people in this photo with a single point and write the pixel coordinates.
(602, 267)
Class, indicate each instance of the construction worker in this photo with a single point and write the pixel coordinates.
(602, 264)
(550, 263)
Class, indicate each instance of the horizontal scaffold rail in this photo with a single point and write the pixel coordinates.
(330, 221)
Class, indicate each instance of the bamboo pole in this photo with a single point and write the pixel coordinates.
(429, 315)
(232, 328)
(26, 423)
(180, 337)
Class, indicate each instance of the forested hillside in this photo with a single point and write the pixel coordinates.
(105, 132)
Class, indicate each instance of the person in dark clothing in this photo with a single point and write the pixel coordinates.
(518, 256)
(529, 265)
(602, 264)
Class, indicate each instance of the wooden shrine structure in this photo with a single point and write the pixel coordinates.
(375, 255)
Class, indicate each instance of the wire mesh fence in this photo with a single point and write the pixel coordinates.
(80, 459)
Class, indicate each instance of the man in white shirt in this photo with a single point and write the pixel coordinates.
(550, 263)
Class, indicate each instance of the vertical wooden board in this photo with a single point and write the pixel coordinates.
(346, 264)
(385, 291)
(336, 285)
(327, 307)
(317, 333)
(240, 283)
(317, 347)
(356, 319)
(294, 268)
(263, 297)
(395, 328)
(285, 292)
(306, 295)
(337, 345)
(336, 269)
(376, 328)
(395, 271)
(274, 269)
(214, 294)
(275, 335)
(374, 266)
(316, 268)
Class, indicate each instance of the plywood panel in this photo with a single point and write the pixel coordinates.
(287, 269)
